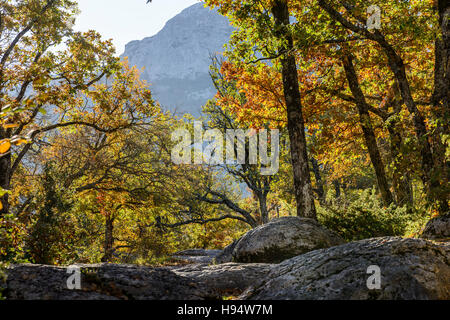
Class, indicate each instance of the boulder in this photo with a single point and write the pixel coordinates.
(283, 238)
(409, 269)
(227, 254)
(225, 279)
(198, 252)
(437, 228)
(127, 282)
(196, 255)
(101, 282)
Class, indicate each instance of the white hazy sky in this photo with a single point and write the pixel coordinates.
(127, 20)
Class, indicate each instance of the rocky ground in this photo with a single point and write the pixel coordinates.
(409, 269)
(314, 264)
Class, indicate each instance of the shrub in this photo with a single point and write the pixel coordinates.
(2, 279)
(12, 238)
(363, 216)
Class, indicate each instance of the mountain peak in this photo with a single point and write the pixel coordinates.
(177, 59)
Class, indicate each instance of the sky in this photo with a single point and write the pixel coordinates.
(127, 20)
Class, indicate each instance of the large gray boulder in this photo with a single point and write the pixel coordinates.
(101, 282)
(409, 269)
(283, 238)
(228, 279)
(437, 228)
(196, 255)
(227, 254)
(123, 282)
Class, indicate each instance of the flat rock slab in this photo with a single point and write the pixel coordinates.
(198, 253)
(225, 279)
(128, 282)
(193, 259)
(196, 256)
(409, 268)
(283, 238)
(102, 282)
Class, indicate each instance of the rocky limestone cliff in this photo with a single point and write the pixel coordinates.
(177, 59)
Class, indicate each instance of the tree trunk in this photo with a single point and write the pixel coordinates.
(429, 173)
(262, 198)
(319, 183)
(109, 240)
(369, 134)
(441, 105)
(441, 95)
(5, 179)
(296, 126)
(337, 189)
(400, 179)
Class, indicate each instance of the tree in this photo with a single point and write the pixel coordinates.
(296, 125)
(393, 67)
(266, 25)
(35, 78)
(220, 118)
(114, 170)
(367, 128)
(352, 21)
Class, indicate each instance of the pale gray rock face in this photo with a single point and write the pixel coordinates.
(437, 228)
(177, 59)
(410, 269)
(283, 238)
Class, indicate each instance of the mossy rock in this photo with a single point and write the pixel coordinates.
(283, 238)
